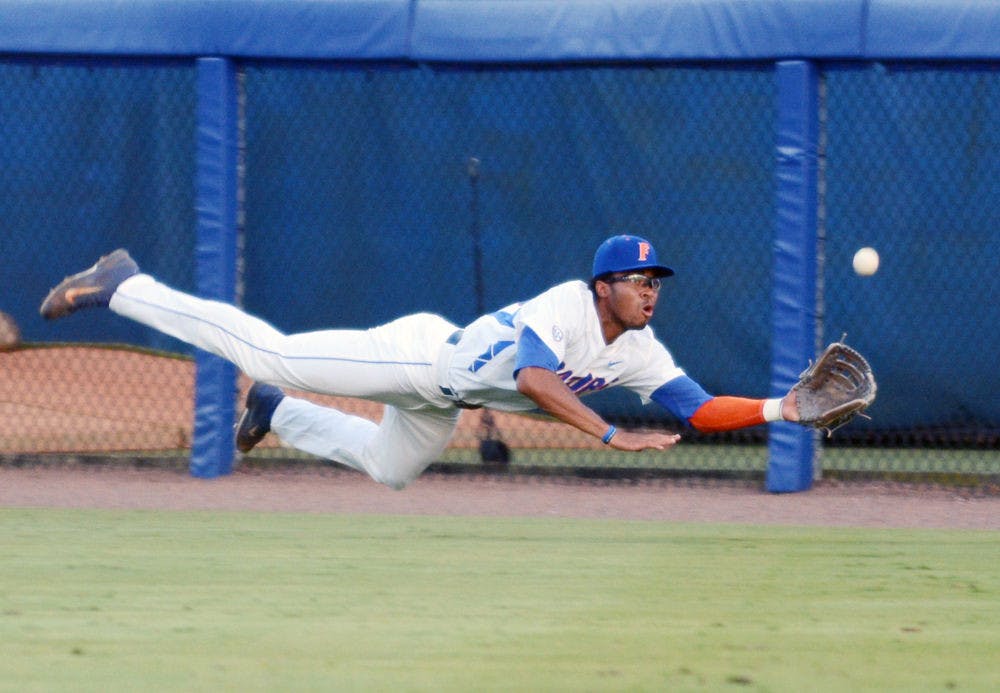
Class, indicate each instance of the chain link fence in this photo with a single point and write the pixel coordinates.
(95, 155)
(380, 219)
(367, 187)
(913, 170)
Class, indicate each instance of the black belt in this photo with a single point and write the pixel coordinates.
(447, 391)
(450, 394)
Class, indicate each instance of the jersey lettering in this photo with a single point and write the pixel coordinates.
(583, 384)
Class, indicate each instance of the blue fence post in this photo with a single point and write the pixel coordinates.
(213, 448)
(792, 448)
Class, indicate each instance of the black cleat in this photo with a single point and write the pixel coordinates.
(90, 288)
(255, 422)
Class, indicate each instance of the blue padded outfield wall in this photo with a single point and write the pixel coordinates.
(722, 130)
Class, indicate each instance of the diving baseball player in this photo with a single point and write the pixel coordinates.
(547, 352)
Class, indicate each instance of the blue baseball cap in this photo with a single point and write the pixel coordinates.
(624, 253)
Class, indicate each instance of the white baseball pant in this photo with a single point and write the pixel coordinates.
(398, 364)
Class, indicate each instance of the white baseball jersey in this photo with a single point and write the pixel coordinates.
(560, 330)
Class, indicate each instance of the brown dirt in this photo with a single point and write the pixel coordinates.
(317, 489)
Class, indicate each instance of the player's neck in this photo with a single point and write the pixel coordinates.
(611, 333)
(611, 327)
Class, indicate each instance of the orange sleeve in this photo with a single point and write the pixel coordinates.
(727, 414)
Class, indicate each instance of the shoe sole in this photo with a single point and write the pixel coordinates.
(246, 440)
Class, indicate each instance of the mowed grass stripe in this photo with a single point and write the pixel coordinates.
(105, 600)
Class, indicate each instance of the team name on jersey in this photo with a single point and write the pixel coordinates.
(582, 384)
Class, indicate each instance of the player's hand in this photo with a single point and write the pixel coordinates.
(789, 409)
(634, 441)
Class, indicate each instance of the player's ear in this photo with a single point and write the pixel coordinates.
(601, 289)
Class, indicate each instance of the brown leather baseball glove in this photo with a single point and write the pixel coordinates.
(835, 389)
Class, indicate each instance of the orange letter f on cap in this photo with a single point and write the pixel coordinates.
(643, 251)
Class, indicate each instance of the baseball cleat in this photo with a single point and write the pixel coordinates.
(255, 422)
(90, 288)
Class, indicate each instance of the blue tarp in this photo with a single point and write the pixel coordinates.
(506, 30)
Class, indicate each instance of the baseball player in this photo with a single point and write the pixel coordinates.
(547, 352)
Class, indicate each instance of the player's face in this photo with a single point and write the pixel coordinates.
(631, 298)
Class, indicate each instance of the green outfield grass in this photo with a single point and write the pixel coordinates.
(103, 600)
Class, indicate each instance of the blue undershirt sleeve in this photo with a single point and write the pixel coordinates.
(681, 397)
(532, 351)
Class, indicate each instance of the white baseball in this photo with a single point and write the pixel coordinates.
(866, 262)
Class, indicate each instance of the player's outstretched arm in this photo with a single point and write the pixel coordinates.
(549, 392)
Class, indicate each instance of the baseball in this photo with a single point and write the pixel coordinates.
(866, 262)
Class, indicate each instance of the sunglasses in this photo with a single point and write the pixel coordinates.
(641, 280)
